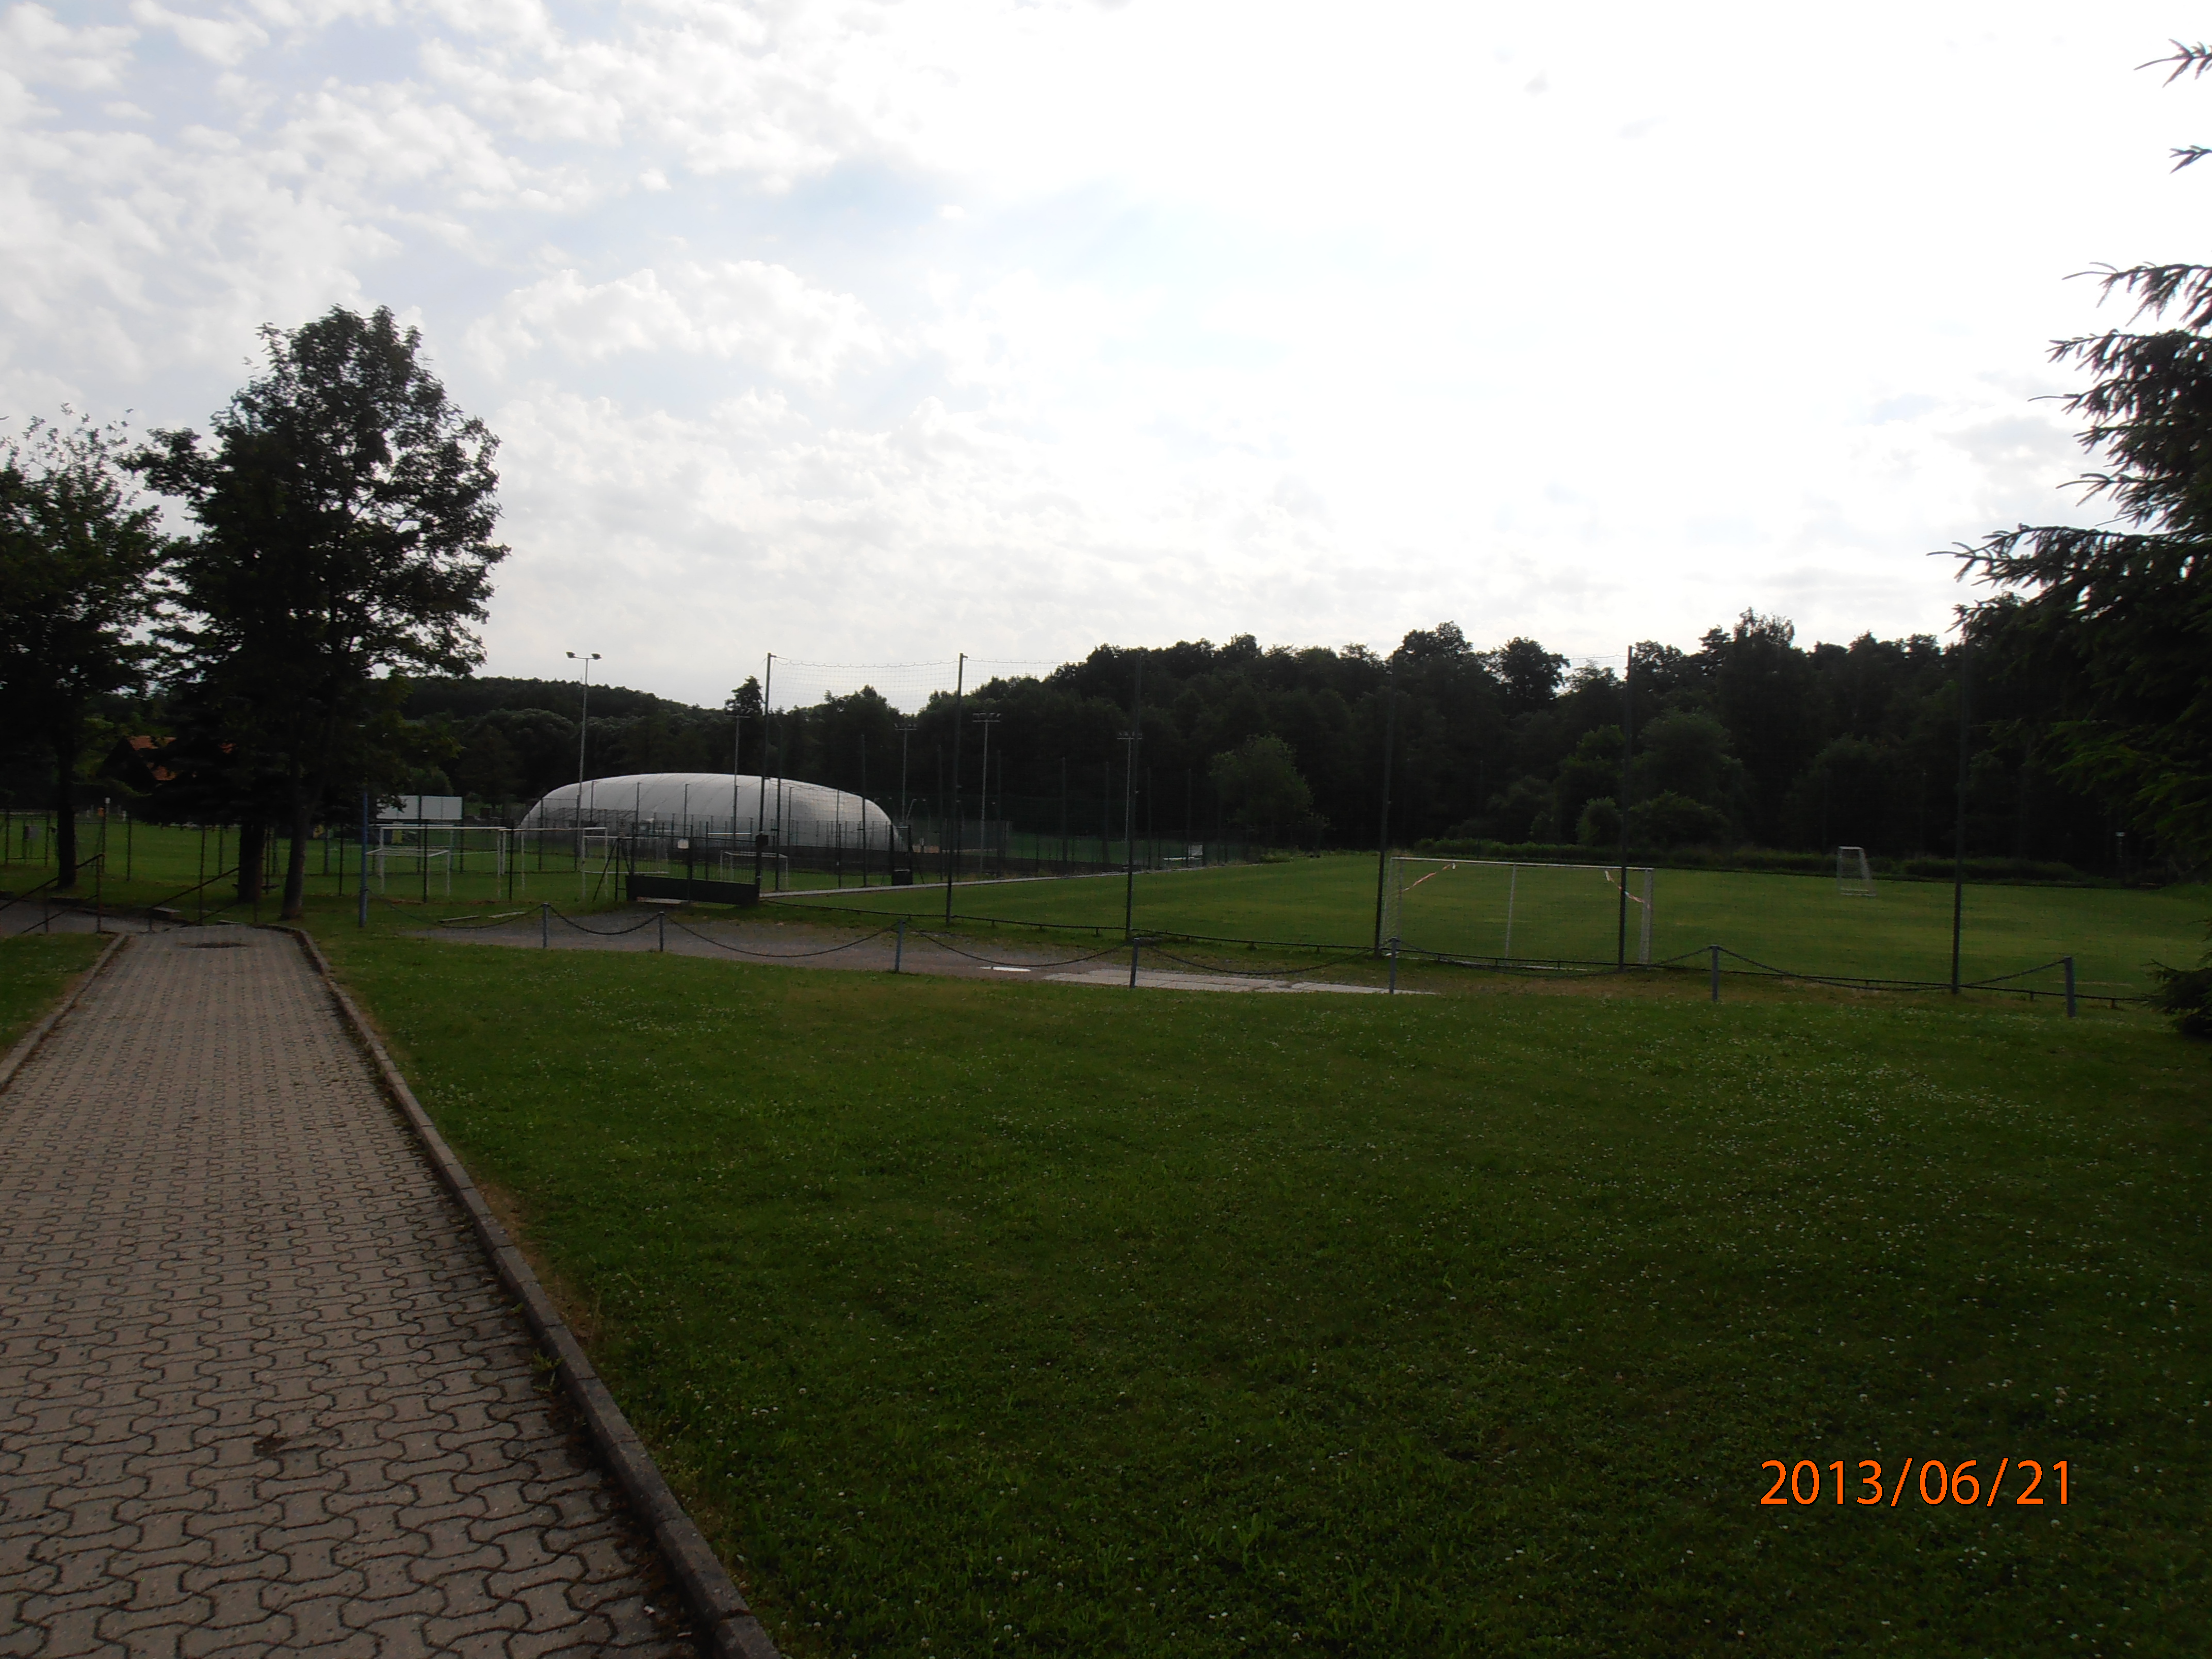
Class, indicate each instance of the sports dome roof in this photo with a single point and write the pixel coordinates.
(714, 802)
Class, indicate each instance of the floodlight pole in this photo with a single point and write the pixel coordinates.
(1627, 750)
(1132, 739)
(1382, 831)
(987, 721)
(737, 757)
(760, 807)
(906, 801)
(1959, 829)
(953, 856)
(583, 733)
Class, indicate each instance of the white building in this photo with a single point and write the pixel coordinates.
(716, 804)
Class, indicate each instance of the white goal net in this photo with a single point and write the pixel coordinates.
(1491, 910)
(1854, 875)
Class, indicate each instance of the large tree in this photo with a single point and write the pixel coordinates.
(78, 559)
(2118, 617)
(345, 510)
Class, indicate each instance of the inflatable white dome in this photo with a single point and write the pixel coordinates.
(715, 804)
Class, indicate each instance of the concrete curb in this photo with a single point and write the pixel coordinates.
(27, 1044)
(731, 1630)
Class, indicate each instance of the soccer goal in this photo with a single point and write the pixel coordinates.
(1491, 910)
(1854, 875)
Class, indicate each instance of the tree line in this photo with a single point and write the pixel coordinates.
(1749, 737)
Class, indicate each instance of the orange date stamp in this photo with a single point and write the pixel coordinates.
(1807, 1482)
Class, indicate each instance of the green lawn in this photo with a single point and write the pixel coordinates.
(151, 863)
(1796, 922)
(1006, 1317)
(35, 968)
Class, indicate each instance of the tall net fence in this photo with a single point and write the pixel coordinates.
(923, 740)
(1480, 910)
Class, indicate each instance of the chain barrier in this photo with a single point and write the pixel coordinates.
(783, 955)
(1260, 973)
(604, 933)
(2001, 984)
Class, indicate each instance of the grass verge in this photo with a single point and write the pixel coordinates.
(35, 970)
(984, 1317)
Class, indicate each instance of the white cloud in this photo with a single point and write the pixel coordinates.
(225, 40)
(761, 314)
(1053, 322)
(38, 49)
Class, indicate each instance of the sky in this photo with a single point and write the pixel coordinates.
(868, 333)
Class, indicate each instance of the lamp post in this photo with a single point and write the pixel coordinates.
(583, 733)
(983, 811)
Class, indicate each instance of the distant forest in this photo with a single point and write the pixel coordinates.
(1749, 740)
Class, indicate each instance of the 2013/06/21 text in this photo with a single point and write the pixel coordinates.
(1808, 1482)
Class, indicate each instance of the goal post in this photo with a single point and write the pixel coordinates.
(1501, 911)
(1854, 875)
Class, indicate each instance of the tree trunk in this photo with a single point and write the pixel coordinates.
(295, 862)
(65, 748)
(253, 847)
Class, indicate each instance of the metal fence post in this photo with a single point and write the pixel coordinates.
(544, 924)
(1394, 964)
(660, 932)
(1133, 943)
(1717, 972)
(898, 948)
(2069, 988)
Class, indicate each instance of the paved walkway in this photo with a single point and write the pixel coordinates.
(259, 1392)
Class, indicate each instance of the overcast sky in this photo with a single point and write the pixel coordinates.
(871, 332)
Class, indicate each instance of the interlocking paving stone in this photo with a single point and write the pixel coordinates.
(260, 1390)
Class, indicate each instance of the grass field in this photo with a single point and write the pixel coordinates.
(1793, 922)
(1007, 1317)
(152, 863)
(35, 968)
(1796, 922)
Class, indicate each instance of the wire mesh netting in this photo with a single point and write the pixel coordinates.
(1480, 910)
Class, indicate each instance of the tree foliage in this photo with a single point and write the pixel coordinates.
(1261, 787)
(79, 555)
(345, 511)
(2119, 615)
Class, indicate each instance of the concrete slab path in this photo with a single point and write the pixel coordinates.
(260, 1392)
